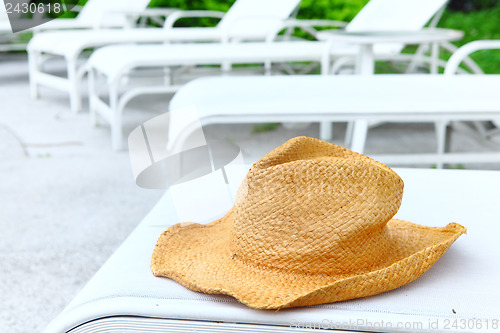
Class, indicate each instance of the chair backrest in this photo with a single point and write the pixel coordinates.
(94, 10)
(395, 15)
(3, 12)
(256, 18)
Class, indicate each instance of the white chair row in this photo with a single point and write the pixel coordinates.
(117, 62)
(254, 20)
(363, 99)
(247, 19)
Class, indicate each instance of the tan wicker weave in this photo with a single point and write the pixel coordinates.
(311, 224)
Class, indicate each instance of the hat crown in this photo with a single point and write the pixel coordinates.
(314, 207)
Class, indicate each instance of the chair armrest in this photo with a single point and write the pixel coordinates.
(463, 52)
(176, 15)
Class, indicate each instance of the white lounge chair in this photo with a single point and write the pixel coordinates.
(389, 16)
(461, 287)
(378, 98)
(95, 14)
(99, 14)
(107, 14)
(246, 19)
(104, 65)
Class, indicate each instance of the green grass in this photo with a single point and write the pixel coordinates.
(480, 24)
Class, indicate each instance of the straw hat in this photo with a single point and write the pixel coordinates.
(311, 224)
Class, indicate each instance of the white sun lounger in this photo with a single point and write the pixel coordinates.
(363, 99)
(247, 19)
(459, 291)
(115, 62)
(95, 14)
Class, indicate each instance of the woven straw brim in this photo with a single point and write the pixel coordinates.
(198, 257)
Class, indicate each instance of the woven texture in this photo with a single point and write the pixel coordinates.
(311, 224)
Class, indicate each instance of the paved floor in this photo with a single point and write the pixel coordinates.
(68, 201)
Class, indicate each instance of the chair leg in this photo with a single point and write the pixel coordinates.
(93, 95)
(74, 86)
(167, 76)
(434, 58)
(116, 132)
(348, 134)
(226, 67)
(359, 135)
(33, 73)
(267, 67)
(325, 130)
(116, 120)
(441, 141)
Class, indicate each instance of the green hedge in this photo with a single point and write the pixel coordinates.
(222, 5)
(330, 9)
(309, 9)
